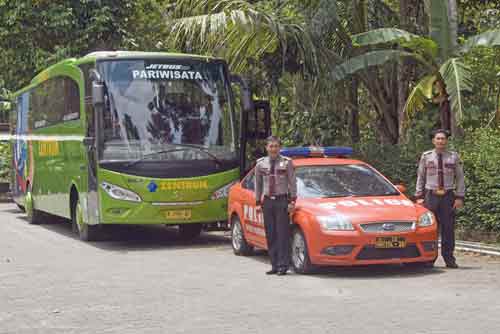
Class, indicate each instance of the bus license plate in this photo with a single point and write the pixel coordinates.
(390, 242)
(178, 214)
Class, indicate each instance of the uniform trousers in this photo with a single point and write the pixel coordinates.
(276, 222)
(442, 207)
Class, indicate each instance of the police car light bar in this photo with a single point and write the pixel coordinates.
(308, 152)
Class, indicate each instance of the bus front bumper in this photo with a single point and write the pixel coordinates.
(173, 213)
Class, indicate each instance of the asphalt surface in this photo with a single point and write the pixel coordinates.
(143, 280)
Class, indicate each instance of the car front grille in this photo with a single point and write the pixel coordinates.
(369, 252)
(404, 226)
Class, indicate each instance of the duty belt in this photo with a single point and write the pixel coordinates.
(440, 192)
(276, 197)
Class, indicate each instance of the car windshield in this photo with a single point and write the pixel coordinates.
(341, 181)
(162, 109)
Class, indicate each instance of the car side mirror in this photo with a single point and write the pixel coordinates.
(401, 188)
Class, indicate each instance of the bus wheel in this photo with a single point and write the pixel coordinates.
(34, 216)
(299, 253)
(85, 232)
(189, 231)
(238, 241)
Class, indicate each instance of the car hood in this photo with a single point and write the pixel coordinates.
(364, 209)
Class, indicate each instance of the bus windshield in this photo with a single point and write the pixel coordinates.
(164, 109)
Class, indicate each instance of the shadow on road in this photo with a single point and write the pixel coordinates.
(360, 272)
(126, 238)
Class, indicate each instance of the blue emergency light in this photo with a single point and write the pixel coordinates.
(313, 151)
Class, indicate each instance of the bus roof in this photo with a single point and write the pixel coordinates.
(100, 55)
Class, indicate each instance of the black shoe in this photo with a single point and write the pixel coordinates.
(452, 265)
(282, 272)
(271, 272)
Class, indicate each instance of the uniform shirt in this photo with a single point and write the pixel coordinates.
(283, 174)
(451, 178)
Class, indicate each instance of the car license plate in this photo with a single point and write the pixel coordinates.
(390, 242)
(178, 214)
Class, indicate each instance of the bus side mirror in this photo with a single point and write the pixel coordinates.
(97, 88)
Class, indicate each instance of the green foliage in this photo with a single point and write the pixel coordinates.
(37, 33)
(382, 35)
(481, 153)
(5, 161)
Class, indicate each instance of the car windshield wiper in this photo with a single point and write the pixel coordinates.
(392, 193)
(183, 147)
(334, 195)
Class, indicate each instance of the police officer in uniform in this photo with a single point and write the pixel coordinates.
(441, 189)
(275, 194)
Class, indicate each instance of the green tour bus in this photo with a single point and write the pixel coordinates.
(120, 137)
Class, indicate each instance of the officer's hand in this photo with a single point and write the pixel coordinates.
(459, 203)
(420, 201)
(291, 207)
(258, 208)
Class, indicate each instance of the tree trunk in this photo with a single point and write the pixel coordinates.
(413, 19)
(354, 110)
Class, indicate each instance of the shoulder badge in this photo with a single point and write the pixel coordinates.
(427, 152)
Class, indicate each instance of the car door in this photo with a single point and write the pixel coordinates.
(252, 220)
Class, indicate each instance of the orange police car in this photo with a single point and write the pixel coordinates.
(347, 213)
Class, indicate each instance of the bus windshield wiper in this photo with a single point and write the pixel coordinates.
(183, 147)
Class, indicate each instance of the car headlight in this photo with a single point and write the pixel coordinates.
(427, 219)
(222, 192)
(120, 193)
(336, 222)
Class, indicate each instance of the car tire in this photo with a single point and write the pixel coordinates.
(189, 231)
(299, 253)
(85, 232)
(238, 240)
(34, 216)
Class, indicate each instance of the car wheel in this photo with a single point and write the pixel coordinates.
(34, 216)
(85, 232)
(238, 241)
(301, 262)
(189, 231)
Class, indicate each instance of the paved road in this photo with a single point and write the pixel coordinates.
(145, 281)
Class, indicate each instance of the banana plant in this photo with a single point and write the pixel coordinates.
(446, 77)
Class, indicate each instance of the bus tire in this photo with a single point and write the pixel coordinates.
(85, 232)
(189, 231)
(301, 263)
(34, 216)
(238, 241)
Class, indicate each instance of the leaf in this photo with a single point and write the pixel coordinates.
(419, 96)
(489, 39)
(367, 60)
(443, 25)
(382, 35)
(458, 78)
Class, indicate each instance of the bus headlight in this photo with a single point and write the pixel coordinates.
(120, 193)
(222, 192)
(427, 219)
(335, 223)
